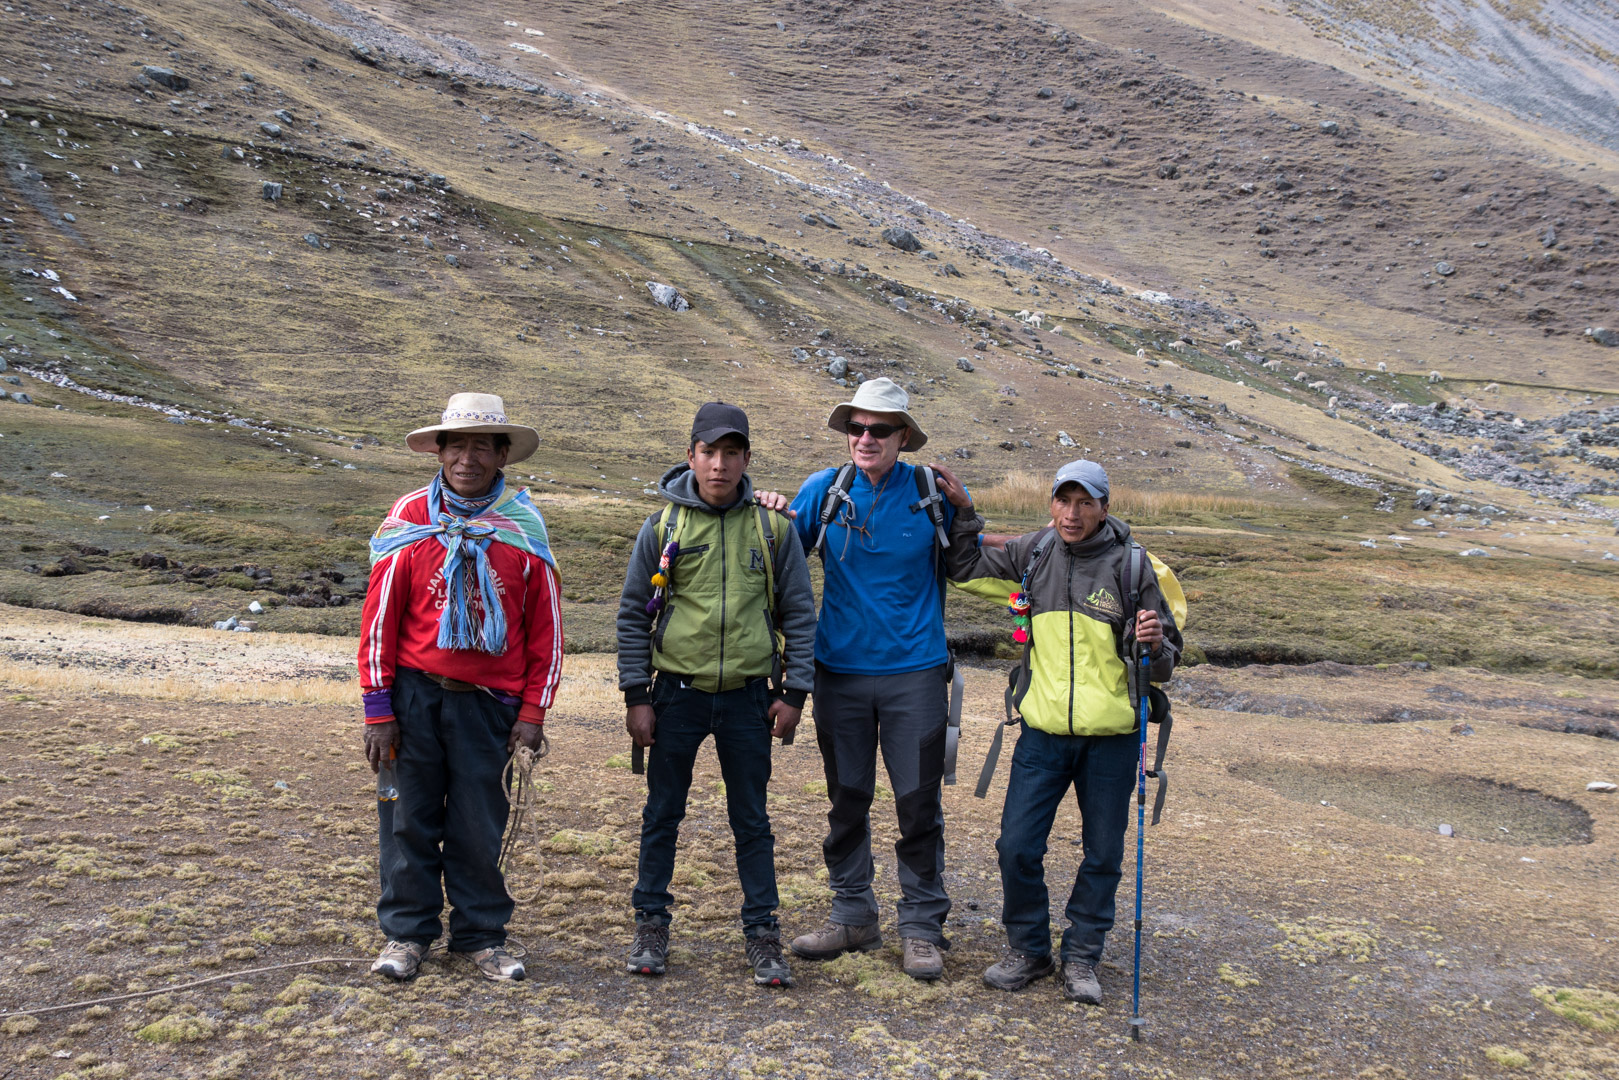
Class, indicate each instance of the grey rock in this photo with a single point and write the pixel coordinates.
(285, 117)
(838, 368)
(964, 364)
(962, 452)
(1443, 269)
(950, 270)
(1168, 170)
(1043, 92)
(1065, 439)
(827, 219)
(1446, 830)
(166, 77)
(227, 624)
(1424, 500)
(363, 53)
(11, 379)
(176, 419)
(3, 365)
(1603, 336)
(1016, 262)
(452, 260)
(69, 218)
(272, 130)
(668, 296)
(823, 333)
(271, 191)
(1070, 103)
(1473, 552)
(1438, 176)
(901, 303)
(312, 240)
(1329, 127)
(20, 398)
(903, 239)
(800, 355)
(1549, 237)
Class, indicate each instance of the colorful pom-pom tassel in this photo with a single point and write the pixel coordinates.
(658, 580)
(1020, 635)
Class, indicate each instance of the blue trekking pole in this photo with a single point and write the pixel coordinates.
(1141, 836)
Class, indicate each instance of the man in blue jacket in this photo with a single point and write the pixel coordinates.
(881, 677)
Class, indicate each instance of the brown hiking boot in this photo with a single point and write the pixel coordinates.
(1017, 970)
(923, 960)
(835, 939)
(1079, 982)
(399, 960)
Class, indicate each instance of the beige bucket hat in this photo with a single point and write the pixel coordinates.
(880, 396)
(479, 414)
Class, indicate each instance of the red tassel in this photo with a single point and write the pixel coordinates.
(1020, 635)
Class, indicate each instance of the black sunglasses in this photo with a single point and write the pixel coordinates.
(878, 431)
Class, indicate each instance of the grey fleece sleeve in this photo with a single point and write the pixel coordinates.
(1163, 665)
(634, 624)
(796, 609)
(966, 559)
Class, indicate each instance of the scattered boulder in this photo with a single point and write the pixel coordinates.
(452, 260)
(363, 53)
(1168, 170)
(668, 296)
(272, 130)
(20, 398)
(1603, 786)
(1329, 127)
(166, 77)
(1070, 103)
(1065, 439)
(271, 191)
(1473, 552)
(1549, 237)
(1461, 728)
(838, 368)
(1043, 92)
(1424, 500)
(1603, 336)
(903, 239)
(964, 364)
(1443, 269)
(147, 560)
(312, 240)
(285, 117)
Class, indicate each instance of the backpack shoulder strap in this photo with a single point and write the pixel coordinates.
(1017, 682)
(836, 495)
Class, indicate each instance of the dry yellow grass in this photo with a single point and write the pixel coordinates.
(1025, 494)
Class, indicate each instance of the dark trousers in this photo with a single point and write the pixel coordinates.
(904, 715)
(740, 723)
(449, 818)
(1102, 771)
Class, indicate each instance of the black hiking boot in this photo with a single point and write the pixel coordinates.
(649, 952)
(764, 956)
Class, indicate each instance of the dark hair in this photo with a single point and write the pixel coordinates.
(502, 440)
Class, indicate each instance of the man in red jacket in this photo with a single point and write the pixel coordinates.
(460, 653)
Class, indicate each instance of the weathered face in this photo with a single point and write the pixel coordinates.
(718, 468)
(470, 462)
(1077, 513)
(871, 454)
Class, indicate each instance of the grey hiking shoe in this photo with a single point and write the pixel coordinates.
(497, 964)
(649, 952)
(764, 956)
(923, 960)
(399, 960)
(1079, 982)
(835, 939)
(1017, 970)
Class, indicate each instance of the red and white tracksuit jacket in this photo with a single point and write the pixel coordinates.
(399, 626)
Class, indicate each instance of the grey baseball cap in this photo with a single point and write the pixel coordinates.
(1088, 474)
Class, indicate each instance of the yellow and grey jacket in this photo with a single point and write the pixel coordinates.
(1079, 605)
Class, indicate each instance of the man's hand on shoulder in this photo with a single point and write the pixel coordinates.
(952, 488)
(783, 718)
(639, 721)
(775, 500)
(381, 742)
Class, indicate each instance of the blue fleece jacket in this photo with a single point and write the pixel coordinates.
(882, 604)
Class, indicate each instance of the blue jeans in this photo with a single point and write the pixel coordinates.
(447, 824)
(1102, 771)
(740, 723)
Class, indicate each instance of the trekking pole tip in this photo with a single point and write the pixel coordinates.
(1136, 1024)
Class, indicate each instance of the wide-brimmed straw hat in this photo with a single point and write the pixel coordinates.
(880, 396)
(476, 414)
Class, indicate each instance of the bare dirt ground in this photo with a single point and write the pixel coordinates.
(1304, 916)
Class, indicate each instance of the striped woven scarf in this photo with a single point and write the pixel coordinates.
(466, 528)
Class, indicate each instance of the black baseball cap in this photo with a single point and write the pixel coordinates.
(716, 420)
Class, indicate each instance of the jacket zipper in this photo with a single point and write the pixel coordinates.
(1070, 607)
(720, 683)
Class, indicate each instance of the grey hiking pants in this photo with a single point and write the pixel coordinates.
(905, 715)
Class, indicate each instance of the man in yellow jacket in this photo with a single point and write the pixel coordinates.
(1093, 597)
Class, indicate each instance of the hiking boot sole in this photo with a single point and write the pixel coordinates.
(780, 981)
(651, 969)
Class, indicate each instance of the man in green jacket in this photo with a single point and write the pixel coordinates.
(717, 600)
(1079, 576)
